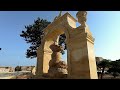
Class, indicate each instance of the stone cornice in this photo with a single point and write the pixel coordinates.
(90, 38)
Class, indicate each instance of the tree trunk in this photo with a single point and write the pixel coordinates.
(102, 73)
(114, 76)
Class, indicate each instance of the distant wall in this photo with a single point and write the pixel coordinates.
(27, 68)
(6, 69)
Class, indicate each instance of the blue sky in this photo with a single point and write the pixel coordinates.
(104, 25)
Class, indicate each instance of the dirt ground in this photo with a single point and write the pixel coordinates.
(109, 76)
(28, 76)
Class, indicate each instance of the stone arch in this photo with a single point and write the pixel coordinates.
(80, 50)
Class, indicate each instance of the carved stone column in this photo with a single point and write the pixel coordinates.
(81, 48)
(57, 68)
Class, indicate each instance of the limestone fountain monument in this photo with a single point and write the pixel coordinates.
(81, 62)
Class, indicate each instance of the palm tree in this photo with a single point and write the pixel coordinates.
(103, 65)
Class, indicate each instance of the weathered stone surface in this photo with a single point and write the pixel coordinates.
(80, 48)
(34, 70)
(57, 68)
(62, 64)
(81, 15)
